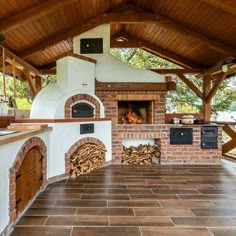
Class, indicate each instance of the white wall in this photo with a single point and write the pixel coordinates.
(50, 103)
(109, 68)
(8, 154)
(75, 74)
(64, 135)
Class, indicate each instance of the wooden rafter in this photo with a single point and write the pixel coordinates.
(160, 52)
(227, 6)
(216, 86)
(134, 17)
(29, 79)
(190, 85)
(176, 71)
(33, 13)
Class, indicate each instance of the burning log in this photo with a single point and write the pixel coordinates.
(86, 158)
(143, 154)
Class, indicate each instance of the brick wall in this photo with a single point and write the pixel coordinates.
(181, 154)
(81, 98)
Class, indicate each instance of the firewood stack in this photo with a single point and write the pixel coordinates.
(143, 154)
(86, 158)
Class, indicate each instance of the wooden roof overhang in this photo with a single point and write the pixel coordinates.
(198, 35)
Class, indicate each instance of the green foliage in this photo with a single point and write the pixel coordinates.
(182, 100)
(24, 97)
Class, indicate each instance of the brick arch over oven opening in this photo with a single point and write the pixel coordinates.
(74, 147)
(28, 145)
(81, 98)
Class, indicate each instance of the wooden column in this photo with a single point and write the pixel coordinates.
(206, 104)
(38, 83)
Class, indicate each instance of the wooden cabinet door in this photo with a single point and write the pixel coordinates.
(28, 178)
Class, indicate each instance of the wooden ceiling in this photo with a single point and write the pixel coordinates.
(190, 33)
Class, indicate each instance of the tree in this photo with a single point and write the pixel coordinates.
(183, 99)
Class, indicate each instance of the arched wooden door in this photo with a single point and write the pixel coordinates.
(29, 178)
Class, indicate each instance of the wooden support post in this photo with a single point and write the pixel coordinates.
(38, 83)
(30, 82)
(206, 104)
(4, 72)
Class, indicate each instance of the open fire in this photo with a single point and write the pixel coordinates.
(135, 112)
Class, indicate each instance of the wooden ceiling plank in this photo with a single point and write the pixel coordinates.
(226, 6)
(130, 18)
(190, 85)
(216, 86)
(76, 30)
(160, 52)
(32, 13)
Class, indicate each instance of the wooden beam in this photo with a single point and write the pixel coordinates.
(30, 82)
(121, 86)
(190, 85)
(33, 13)
(216, 86)
(48, 71)
(230, 131)
(227, 6)
(160, 52)
(135, 17)
(229, 146)
(206, 104)
(176, 71)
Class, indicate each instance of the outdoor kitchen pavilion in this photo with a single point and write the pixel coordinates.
(198, 35)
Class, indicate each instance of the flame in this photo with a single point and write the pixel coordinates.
(132, 118)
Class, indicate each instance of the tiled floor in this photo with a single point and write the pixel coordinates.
(137, 201)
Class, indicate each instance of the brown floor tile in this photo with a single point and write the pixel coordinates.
(160, 186)
(50, 211)
(154, 196)
(166, 231)
(106, 211)
(215, 212)
(80, 203)
(162, 212)
(186, 204)
(140, 221)
(174, 191)
(203, 221)
(225, 203)
(207, 197)
(59, 196)
(133, 203)
(106, 231)
(223, 232)
(32, 220)
(78, 220)
(42, 231)
(105, 196)
(43, 203)
(123, 186)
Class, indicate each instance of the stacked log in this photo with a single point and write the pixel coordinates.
(143, 154)
(86, 158)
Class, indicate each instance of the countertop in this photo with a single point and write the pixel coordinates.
(20, 134)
